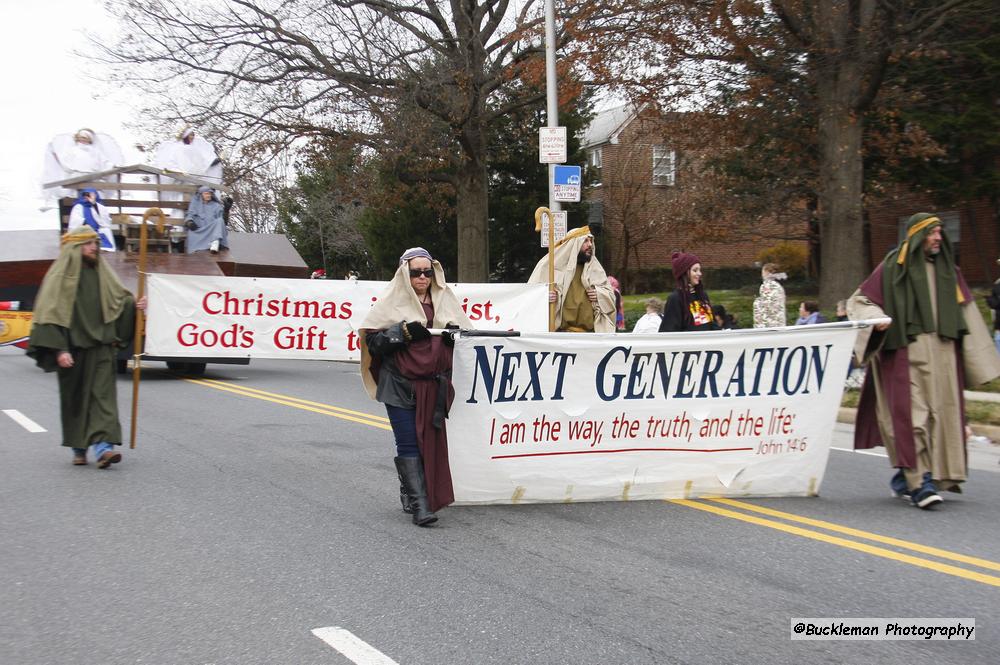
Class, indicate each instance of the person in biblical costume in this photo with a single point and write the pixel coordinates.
(408, 369)
(82, 316)
(769, 305)
(937, 343)
(205, 223)
(89, 210)
(584, 297)
(190, 154)
(80, 153)
(688, 307)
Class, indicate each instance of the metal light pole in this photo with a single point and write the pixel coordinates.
(551, 89)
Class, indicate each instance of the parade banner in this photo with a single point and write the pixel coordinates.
(15, 327)
(252, 317)
(562, 417)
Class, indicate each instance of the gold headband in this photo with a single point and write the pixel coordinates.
(915, 229)
(575, 233)
(81, 234)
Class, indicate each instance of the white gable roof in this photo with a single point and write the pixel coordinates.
(606, 125)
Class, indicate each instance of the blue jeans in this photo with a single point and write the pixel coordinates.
(996, 339)
(404, 429)
(99, 449)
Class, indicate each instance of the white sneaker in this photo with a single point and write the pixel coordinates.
(214, 247)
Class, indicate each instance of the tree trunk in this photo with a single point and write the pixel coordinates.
(840, 188)
(472, 209)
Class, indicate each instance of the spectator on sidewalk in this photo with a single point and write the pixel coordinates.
(688, 307)
(650, 321)
(809, 313)
(993, 300)
(769, 305)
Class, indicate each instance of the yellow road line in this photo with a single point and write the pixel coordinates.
(843, 542)
(382, 423)
(321, 405)
(830, 526)
(374, 421)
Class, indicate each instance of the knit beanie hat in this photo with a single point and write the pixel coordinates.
(681, 262)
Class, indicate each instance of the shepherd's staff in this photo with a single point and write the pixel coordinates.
(552, 267)
(140, 316)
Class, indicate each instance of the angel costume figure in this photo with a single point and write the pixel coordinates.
(69, 155)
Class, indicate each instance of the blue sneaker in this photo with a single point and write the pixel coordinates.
(898, 485)
(926, 497)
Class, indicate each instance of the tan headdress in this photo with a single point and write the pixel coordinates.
(566, 252)
(399, 302)
(57, 295)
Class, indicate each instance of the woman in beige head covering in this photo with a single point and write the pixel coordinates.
(408, 369)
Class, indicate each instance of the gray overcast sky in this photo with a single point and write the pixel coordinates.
(46, 92)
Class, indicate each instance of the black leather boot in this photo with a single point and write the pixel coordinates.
(411, 472)
(404, 499)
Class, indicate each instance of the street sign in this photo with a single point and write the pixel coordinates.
(566, 183)
(560, 227)
(551, 145)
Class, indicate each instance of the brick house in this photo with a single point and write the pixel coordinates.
(641, 172)
(641, 190)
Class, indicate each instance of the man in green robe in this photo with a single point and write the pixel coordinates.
(936, 345)
(83, 315)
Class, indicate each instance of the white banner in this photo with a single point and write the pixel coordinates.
(240, 317)
(563, 417)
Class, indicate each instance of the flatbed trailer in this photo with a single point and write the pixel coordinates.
(25, 256)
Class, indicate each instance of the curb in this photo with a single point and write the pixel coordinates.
(992, 432)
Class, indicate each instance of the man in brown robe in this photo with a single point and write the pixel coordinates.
(585, 299)
(82, 316)
(936, 344)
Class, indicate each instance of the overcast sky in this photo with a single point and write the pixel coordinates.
(46, 92)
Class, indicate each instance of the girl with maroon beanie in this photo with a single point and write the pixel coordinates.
(688, 307)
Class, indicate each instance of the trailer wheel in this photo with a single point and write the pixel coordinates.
(175, 366)
(121, 365)
(197, 369)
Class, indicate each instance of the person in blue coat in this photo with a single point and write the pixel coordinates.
(206, 226)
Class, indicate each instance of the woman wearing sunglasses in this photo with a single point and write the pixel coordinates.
(408, 369)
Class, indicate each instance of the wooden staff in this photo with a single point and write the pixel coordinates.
(140, 316)
(552, 266)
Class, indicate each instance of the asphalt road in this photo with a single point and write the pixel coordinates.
(243, 521)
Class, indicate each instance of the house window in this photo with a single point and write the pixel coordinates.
(664, 165)
(594, 166)
(951, 220)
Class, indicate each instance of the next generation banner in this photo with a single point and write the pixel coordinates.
(570, 417)
(240, 317)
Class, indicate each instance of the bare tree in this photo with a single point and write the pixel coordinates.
(731, 55)
(284, 70)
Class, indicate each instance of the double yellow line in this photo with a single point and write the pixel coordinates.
(737, 510)
(304, 404)
(710, 506)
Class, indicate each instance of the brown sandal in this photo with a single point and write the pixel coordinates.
(79, 461)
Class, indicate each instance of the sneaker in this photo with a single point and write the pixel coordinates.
(926, 497)
(898, 485)
(214, 247)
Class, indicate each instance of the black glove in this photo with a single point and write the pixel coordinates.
(190, 224)
(449, 335)
(417, 331)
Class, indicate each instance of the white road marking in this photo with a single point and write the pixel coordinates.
(24, 421)
(860, 452)
(354, 648)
